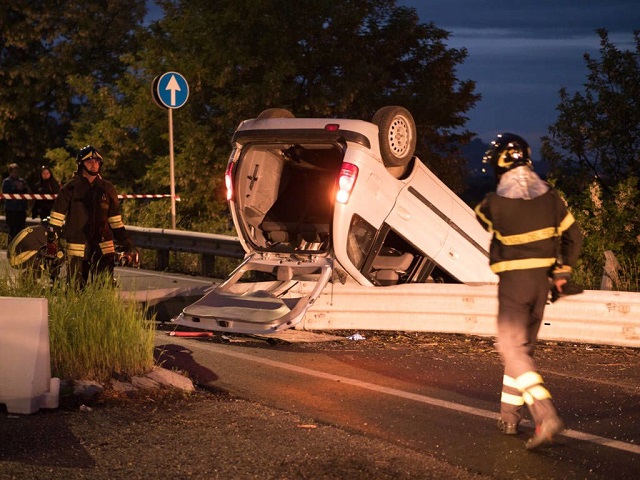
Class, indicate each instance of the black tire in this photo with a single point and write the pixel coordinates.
(396, 134)
(275, 113)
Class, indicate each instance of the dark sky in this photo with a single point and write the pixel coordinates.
(521, 52)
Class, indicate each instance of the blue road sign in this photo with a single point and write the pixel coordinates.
(171, 90)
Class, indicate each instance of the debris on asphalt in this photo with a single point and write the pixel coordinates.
(356, 336)
(190, 334)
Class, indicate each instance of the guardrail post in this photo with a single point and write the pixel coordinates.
(207, 264)
(162, 260)
(610, 277)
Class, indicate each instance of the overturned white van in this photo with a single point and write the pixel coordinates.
(324, 200)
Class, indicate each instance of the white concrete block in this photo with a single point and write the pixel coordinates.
(25, 360)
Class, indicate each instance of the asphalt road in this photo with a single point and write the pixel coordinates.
(434, 394)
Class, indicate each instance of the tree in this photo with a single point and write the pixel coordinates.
(51, 54)
(345, 58)
(597, 133)
(593, 152)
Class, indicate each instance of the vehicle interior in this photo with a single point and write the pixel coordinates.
(394, 261)
(285, 195)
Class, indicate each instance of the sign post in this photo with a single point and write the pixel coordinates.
(170, 91)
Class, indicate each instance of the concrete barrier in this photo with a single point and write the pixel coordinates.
(25, 360)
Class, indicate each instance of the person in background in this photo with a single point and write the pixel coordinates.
(536, 243)
(89, 209)
(47, 185)
(15, 209)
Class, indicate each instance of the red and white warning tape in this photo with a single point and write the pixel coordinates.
(48, 196)
(147, 195)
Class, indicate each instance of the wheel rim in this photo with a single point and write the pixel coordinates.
(399, 136)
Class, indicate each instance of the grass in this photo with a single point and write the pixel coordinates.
(93, 333)
(627, 278)
(629, 275)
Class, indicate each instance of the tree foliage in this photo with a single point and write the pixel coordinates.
(597, 133)
(594, 152)
(319, 59)
(48, 49)
(80, 72)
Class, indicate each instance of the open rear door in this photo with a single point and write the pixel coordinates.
(256, 297)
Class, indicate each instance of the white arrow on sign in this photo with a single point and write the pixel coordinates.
(173, 87)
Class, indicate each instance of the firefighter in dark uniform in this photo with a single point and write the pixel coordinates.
(89, 210)
(536, 242)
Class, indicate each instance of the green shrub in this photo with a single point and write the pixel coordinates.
(610, 220)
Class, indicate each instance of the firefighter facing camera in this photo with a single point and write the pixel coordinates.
(535, 245)
(89, 209)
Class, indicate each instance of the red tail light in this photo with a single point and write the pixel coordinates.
(228, 180)
(346, 181)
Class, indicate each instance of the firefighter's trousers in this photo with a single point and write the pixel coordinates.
(522, 296)
(82, 269)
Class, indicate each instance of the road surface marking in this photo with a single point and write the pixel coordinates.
(586, 437)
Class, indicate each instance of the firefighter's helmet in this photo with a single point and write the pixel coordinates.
(87, 153)
(507, 151)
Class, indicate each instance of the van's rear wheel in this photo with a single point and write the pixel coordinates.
(396, 134)
(275, 113)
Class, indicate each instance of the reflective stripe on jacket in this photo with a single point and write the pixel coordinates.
(88, 215)
(535, 239)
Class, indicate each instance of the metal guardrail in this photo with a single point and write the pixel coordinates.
(595, 316)
(208, 245)
(162, 240)
(599, 317)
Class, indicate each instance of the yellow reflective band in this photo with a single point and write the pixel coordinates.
(509, 381)
(522, 264)
(539, 392)
(92, 154)
(116, 222)
(528, 237)
(75, 249)
(19, 259)
(107, 247)
(512, 399)
(484, 219)
(56, 219)
(527, 398)
(503, 156)
(528, 380)
(17, 239)
(566, 222)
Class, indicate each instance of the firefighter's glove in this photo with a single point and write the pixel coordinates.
(129, 258)
(53, 251)
(561, 272)
(567, 288)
